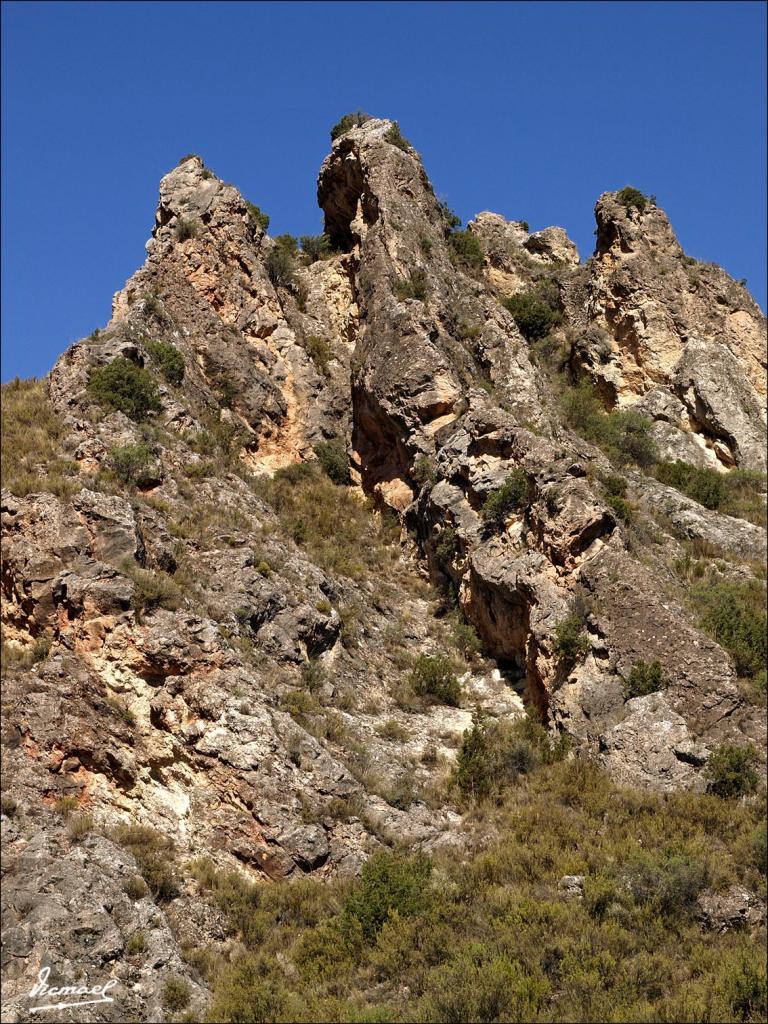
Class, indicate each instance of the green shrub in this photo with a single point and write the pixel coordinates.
(288, 243)
(151, 589)
(615, 486)
(338, 530)
(168, 359)
(632, 197)
(348, 121)
(467, 249)
(424, 471)
(483, 986)
(624, 435)
(434, 676)
(131, 462)
(280, 267)
(734, 614)
(706, 486)
(449, 217)
(137, 943)
(332, 456)
(125, 386)
(257, 216)
(760, 848)
(315, 247)
(189, 156)
(246, 993)
(135, 887)
(447, 546)
(644, 679)
(388, 884)
(570, 642)
(745, 985)
(501, 502)
(186, 228)
(535, 312)
(731, 771)
(414, 286)
(738, 493)
(239, 899)
(8, 804)
(669, 884)
(176, 994)
(465, 639)
(393, 730)
(622, 509)
(320, 352)
(627, 438)
(745, 496)
(153, 306)
(227, 394)
(492, 755)
(312, 675)
(396, 138)
(155, 857)
(78, 826)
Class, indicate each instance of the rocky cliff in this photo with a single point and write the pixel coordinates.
(246, 519)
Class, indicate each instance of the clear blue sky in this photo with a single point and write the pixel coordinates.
(530, 110)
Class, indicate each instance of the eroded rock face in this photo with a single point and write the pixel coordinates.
(676, 327)
(70, 912)
(252, 712)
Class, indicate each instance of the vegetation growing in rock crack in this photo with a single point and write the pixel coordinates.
(125, 386)
(466, 249)
(396, 138)
(332, 456)
(570, 642)
(258, 216)
(504, 500)
(535, 312)
(131, 462)
(168, 359)
(186, 228)
(414, 286)
(624, 435)
(320, 352)
(315, 247)
(644, 678)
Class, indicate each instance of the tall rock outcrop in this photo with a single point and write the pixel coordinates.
(212, 641)
(678, 339)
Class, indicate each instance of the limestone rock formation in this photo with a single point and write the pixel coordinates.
(685, 342)
(210, 640)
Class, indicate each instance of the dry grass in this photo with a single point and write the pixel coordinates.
(338, 530)
(31, 442)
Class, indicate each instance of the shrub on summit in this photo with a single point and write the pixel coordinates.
(347, 122)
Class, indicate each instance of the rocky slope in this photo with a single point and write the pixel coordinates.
(209, 639)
